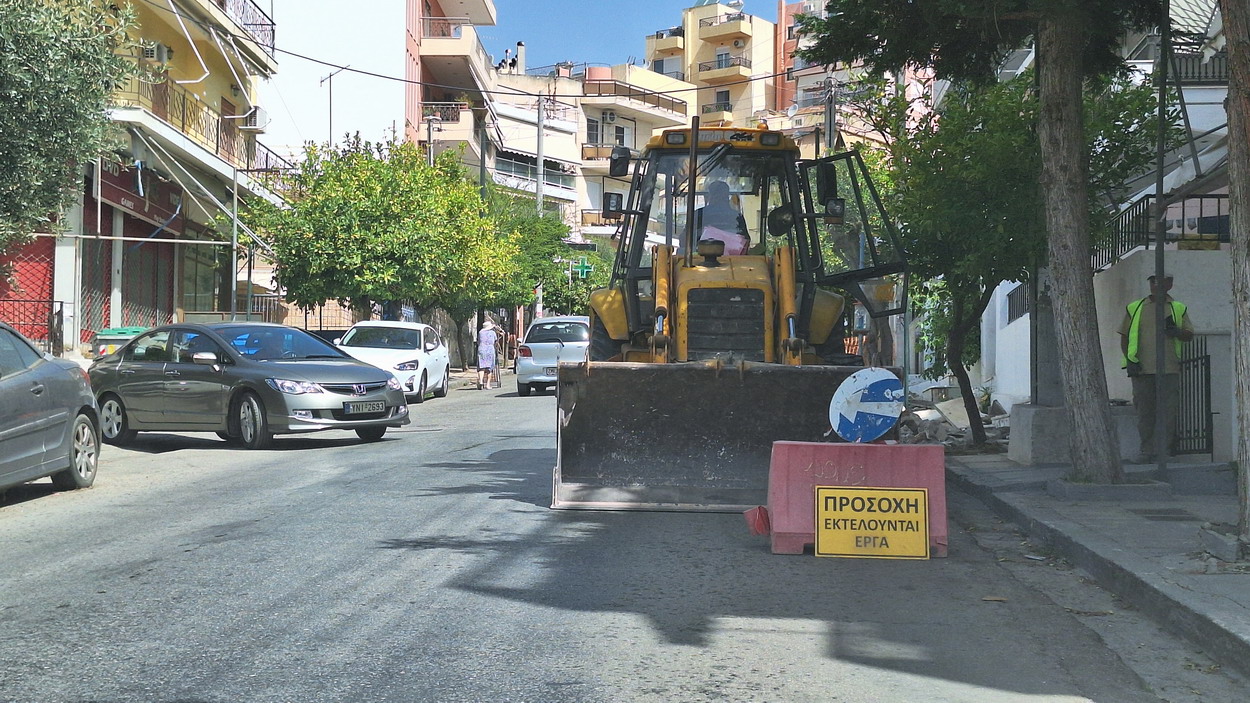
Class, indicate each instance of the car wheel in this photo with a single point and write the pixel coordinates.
(522, 389)
(113, 423)
(253, 426)
(441, 391)
(370, 434)
(84, 456)
(420, 395)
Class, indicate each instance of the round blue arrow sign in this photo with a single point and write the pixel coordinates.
(866, 405)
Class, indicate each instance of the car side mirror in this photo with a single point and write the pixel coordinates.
(780, 221)
(338, 340)
(204, 358)
(431, 346)
(618, 162)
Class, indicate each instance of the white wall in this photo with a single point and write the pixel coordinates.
(1005, 351)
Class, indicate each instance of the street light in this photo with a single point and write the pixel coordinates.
(330, 78)
(432, 123)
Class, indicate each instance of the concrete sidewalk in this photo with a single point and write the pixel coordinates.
(1145, 548)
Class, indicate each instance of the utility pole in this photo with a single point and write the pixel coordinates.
(538, 188)
(831, 113)
(234, 247)
(431, 125)
(330, 79)
(481, 161)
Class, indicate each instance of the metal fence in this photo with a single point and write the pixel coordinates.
(624, 90)
(1018, 303)
(40, 321)
(256, 21)
(1194, 422)
(1197, 219)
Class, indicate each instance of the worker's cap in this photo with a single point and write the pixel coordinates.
(1166, 276)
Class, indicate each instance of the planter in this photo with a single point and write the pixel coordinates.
(1140, 491)
(1220, 541)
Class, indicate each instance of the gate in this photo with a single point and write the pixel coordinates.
(1194, 425)
(40, 321)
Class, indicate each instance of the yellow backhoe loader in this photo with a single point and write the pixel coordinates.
(721, 330)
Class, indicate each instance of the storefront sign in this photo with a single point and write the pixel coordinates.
(155, 203)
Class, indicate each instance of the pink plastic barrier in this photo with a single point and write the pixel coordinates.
(798, 467)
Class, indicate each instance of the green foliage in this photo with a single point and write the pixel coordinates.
(59, 63)
(374, 222)
(963, 39)
(570, 294)
(541, 244)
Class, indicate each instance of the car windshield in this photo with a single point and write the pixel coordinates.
(265, 343)
(557, 332)
(382, 338)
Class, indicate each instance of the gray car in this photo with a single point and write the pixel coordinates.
(548, 341)
(48, 419)
(246, 381)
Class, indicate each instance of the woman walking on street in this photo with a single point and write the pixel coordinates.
(487, 342)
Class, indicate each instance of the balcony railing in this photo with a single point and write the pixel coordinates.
(446, 112)
(724, 62)
(528, 171)
(624, 90)
(1198, 218)
(718, 107)
(679, 75)
(1191, 70)
(250, 17)
(670, 32)
(186, 113)
(596, 218)
(443, 27)
(721, 19)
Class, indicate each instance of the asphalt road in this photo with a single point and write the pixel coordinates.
(428, 567)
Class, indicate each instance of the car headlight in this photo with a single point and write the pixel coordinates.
(293, 387)
(393, 384)
(408, 365)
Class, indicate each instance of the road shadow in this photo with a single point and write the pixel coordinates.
(699, 577)
(163, 443)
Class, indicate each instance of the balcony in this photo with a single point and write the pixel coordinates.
(455, 124)
(182, 110)
(523, 175)
(248, 15)
(717, 112)
(735, 25)
(451, 50)
(725, 69)
(667, 41)
(633, 100)
(1192, 70)
(1197, 222)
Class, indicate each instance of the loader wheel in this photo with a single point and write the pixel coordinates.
(602, 347)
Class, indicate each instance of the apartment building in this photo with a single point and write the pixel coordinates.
(726, 54)
(145, 243)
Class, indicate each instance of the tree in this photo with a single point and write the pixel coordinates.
(60, 61)
(1236, 17)
(373, 222)
(966, 41)
(966, 192)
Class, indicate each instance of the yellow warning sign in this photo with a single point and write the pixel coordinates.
(880, 523)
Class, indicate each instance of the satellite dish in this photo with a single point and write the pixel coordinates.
(790, 111)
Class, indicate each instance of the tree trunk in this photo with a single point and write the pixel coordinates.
(1236, 15)
(464, 339)
(1095, 451)
(955, 344)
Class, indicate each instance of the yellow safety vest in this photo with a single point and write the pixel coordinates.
(1134, 329)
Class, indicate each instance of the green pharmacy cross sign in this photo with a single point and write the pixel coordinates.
(583, 267)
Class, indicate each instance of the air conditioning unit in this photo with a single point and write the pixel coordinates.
(609, 116)
(739, 43)
(256, 120)
(158, 52)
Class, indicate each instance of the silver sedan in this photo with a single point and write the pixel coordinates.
(48, 419)
(246, 381)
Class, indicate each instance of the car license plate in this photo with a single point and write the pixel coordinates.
(367, 406)
(550, 370)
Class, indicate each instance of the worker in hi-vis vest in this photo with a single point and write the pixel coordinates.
(1154, 387)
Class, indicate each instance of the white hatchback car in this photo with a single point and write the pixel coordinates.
(548, 341)
(412, 352)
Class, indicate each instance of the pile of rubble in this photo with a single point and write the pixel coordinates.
(928, 421)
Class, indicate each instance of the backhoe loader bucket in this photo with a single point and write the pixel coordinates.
(686, 436)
